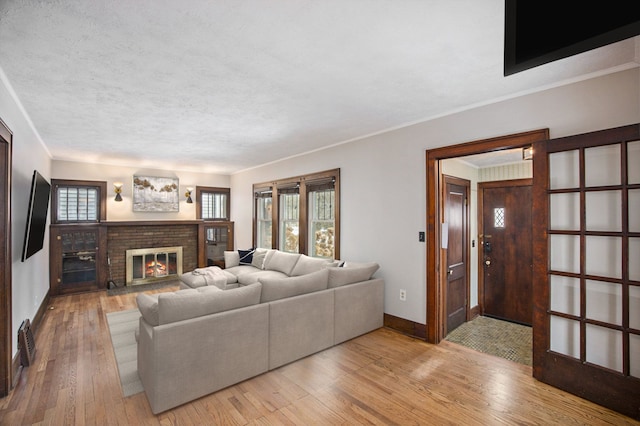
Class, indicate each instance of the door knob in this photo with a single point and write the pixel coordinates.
(487, 262)
(450, 271)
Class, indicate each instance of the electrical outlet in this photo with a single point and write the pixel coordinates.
(403, 295)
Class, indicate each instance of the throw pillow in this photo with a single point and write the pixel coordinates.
(351, 274)
(246, 256)
(258, 258)
(280, 288)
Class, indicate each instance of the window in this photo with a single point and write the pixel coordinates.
(289, 221)
(78, 201)
(213, 203)
(307, 214)
(264, 204)
(322, 222)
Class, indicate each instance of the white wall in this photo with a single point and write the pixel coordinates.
(123, 210)
(30, 282)
(383, 176)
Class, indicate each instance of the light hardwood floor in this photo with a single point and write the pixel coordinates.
(380, 378)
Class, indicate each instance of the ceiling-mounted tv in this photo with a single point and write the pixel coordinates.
(36, 216)
(540, 31)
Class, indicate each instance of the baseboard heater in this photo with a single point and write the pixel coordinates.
(26, 343)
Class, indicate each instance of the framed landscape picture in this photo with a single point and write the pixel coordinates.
(155, 194)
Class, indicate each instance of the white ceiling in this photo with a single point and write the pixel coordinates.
(227, 85)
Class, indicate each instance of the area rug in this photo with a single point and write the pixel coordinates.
(122, 327)
(495, 337)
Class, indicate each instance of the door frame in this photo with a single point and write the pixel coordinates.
(467, 232)
(435, 266)
(6, 137)
(481, 187)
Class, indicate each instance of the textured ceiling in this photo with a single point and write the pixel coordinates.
(226, 85)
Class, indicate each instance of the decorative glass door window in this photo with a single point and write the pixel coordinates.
(498, 217)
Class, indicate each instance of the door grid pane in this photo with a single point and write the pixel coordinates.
(594, 255)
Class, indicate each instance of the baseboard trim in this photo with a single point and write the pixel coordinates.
(405, 326)
(16, 365)
(474, 312)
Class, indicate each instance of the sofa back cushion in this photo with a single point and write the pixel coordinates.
(187, 304)
(148, 307)
(281, 261)
(352, 273)
(231, 258)
(280, 288)
(306, 265)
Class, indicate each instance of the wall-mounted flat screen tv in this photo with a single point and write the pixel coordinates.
(36, 216)
(540, 31)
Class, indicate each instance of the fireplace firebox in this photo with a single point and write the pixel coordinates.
(148, 265)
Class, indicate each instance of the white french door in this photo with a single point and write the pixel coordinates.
(587, 266)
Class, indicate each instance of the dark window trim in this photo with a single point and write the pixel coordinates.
(306, 183)
(212, 190)
(102, 197)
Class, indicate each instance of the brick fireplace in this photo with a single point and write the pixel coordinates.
(123, 236)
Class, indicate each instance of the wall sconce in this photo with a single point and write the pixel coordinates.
(527, 153)
(117, 188)
(188, 195)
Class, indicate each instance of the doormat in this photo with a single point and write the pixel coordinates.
(142, 287)
(495, 337)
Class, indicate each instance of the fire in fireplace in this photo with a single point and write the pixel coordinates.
(152, 264)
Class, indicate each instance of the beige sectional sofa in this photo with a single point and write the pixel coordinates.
(196, 341)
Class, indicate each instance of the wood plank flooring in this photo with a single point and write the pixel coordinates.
(381, 378)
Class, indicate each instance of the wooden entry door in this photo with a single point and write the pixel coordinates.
(506, 260)
(587, 266)
(456, 217)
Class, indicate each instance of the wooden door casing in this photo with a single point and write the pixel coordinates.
(505, 254)
(5, 261)
(435, 262)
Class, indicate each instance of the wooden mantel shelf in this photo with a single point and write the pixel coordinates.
(152, 222)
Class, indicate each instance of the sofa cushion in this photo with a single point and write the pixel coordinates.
(231, 278)
(231, 258)
(282, 261)
(242, 269)
(280, 288)
(306, 265)
(351, 273)
(246, 279)
(148, 307)
(185, 304)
